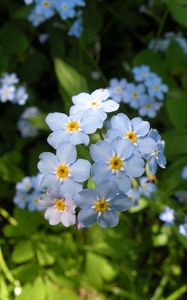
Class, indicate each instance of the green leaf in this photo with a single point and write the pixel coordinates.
(45, 258)
(9, 170)
(176, 143)
(23, 251)
(34, 291)
(178, 9)
(70, 80)
(4, 294)
(26, 272)
(98, 269)
(56, 293)
(175, 59)
(176, 106)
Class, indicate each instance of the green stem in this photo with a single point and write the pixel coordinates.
(159, 290)
(101, 134)
(160, 29)
(6, 271)
(178, 293)
(6, 215)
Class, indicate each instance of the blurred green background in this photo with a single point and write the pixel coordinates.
(142, 258)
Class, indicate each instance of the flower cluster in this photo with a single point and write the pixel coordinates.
(27, 193)
(169, 37)
(24, 124)
(146, 94)
(10, 91)
(66, 9)
(120, 157)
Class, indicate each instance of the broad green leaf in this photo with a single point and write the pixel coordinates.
(176, 105)
(98, 270)
(36, 290)
(9, 170)
(176, 143)
(45, 258)
(178, 9)
(23, 251)
(26, 272)
(70, 80)
(175, 59)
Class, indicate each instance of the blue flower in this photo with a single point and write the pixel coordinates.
(133, 94)
(157, 156)
(147, 187)
(96, 104)
(20, 199)
(167, 215)
(28, 2)
(141, 73)
(149, 107)
(156, 88)
(35, 18)
(76, 28)
(21, 96)
(44, 8)
(63, 168)
(101, 205)
(66, 8)
(134, 195)
(117, 89)
(59, 206)
(184, 173)
(115, 162)
(183, 229)
(9, 79)
(24, 185)
(7, 92)
(24, 123)
(135, 130)
(74, 129)
(33, 200)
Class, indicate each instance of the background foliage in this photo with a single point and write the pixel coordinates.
(142, 258)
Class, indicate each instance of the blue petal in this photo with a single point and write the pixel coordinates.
(100, 171)
(66, 153)
(86, 198)
(134, 166)
(121, 202)
(57, 137)
(91, 123)
(123, 183)
(108, 218)
(48, 180)
(56, 120)
(121, 122)
(80, 170)
(107, 189)
(124, 148)
(146, 145)
(140, 127)
(70, 187)
(87, 217)
(77, 138)
(101, 151)
(48, 162)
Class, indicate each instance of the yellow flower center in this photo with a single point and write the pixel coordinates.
(131, 135)
(156, 87)
(64, 6)
(148, 105)
(101, 205)
(94, 104)
(60, 204)
(62, 171)
(45, 3)
(135, 94)
(72, 126)
(115, 163)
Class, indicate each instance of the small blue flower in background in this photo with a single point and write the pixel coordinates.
(134, 195)
(133, 94)
(63, 168)
(24, 124)
(135, 130)
(45, 8)
(167, 215)
(141, 73)
(156, 88)
(184, 173)
(35, 18)
(183, 229)
(73, 129)
(9, 91)
(43, 38)
(96, 104)
(59, 206)
(157, 156)
(181, 196)
(116, 162)
(28, 2)
(147, 187)
(76, 29)
(117, 89)
(101, 205)
(149, 107)
(65, 8)
(21, 96)
(28, 191)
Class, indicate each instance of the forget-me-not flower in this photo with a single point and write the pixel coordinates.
(141, 73)
(149, 107)
(74, 129)
(156, 88)
(167, 215)
(117, 89)
(147, 187)
(115, 162)
(184, 173)
(133, 94)
(101, 205)
(63, 168)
